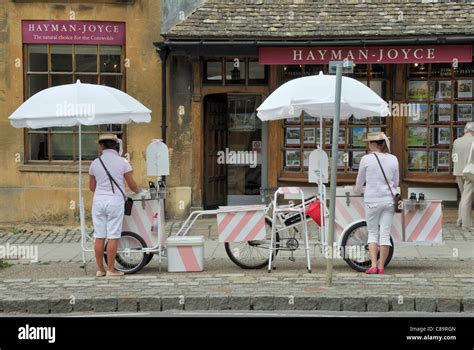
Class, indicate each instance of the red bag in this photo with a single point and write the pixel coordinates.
(314, 211)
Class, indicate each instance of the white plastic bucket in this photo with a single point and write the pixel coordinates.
(185, 253)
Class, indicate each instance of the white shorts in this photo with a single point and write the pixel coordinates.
(379, 216)
(107, 217)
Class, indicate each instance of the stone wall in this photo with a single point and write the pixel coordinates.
(40, 195)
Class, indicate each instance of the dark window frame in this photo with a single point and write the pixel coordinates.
(301, 171)
(224, 82)
(432, 168)
(74, 133)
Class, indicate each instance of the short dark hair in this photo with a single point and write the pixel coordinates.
(383, 146)
(108, 144)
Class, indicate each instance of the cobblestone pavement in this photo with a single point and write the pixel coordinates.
(240, 291)
(204, 227)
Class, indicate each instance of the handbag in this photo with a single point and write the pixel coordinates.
(128, 201)
(468, 171)
(397, 199)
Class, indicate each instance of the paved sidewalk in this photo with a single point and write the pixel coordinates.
(420, 278)
(71, 252)
(64, 246)
(239, 291)
(203, 227)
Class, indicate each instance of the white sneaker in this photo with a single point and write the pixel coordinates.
(458, 223)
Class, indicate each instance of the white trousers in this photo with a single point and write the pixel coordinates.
(379, 216)
(465, 205)
(107, 216)
(460, 182)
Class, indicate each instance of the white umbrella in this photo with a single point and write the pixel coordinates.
(315, 95)
(76, 104)
(324, 96)
(79, 104)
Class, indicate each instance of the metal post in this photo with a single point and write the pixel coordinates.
(163, 52)
(81, 203)
(332, 196)
(160, 228)
(80, 164)
(322, 198)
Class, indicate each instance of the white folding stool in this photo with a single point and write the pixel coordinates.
(300, 209)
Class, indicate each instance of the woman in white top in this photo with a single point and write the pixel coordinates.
(109, 202)
(378, 199)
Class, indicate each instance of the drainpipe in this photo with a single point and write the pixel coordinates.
(163, 52)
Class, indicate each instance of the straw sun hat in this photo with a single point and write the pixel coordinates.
(376, 136)
(111, 137)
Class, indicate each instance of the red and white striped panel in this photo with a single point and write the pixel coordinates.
(243, 224)
(289, 190)
(424, 224)
(141, 220)
(347, 214)
(187, 259)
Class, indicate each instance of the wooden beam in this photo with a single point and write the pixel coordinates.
(197, 119)
(229, 89)
(398, 123)
(274, 155)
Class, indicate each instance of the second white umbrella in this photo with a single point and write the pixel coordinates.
(315, 95)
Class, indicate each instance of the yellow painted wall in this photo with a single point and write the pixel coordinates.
(41, 196)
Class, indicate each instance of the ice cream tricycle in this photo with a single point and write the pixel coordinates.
(254, 235)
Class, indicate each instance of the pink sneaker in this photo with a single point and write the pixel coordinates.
(372, 271)
(381, 271)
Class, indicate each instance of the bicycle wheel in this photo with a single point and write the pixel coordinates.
(355, 250)
(131, 259)
(251, 254)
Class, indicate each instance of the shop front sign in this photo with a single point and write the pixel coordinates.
(366, 54)
(73, 32)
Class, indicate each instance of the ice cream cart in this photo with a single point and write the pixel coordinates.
(254, 234)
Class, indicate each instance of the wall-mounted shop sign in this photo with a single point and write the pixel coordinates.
(367, 54)
(73, 32)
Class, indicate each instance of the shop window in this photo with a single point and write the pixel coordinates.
(360, 71)
(110, 61)
(53, 65)
(441, 102)
(237, 71)
(61, 58)
(86, 58)
(258, 73)
(291, 71)
(36, 83)
(38, 58)
(302, 135)
(213, 71)
(313, 69)
(244, 133)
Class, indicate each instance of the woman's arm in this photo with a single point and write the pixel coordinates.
(359, 185)
(92, 183)
(131, 182)
(396, 176)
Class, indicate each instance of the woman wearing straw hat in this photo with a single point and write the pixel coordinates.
(106, 180)
(378, 196)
